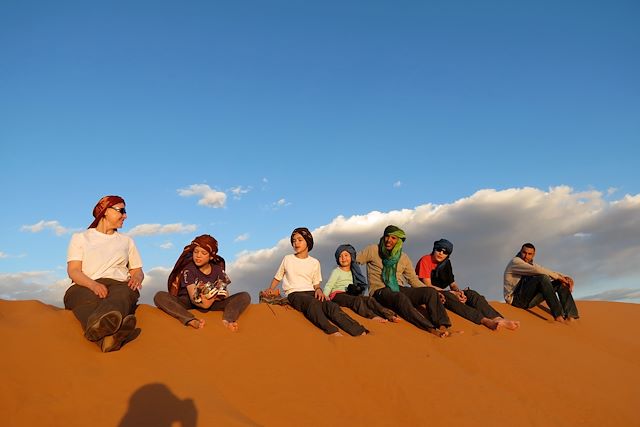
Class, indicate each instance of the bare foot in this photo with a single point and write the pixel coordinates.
(337, 334)
(440, 333)
(396, 319)
(559, 319)
(379, 319)
(512, 325)
(492, 324)
(232, 326)
(196, 323)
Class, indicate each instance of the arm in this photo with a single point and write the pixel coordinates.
(331, 283)
(74, 270)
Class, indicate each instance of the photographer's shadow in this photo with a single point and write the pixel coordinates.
(155, 405)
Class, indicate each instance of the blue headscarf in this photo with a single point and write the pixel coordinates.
(358, 277)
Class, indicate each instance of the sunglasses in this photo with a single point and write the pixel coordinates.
(443, 250)
(121, 211)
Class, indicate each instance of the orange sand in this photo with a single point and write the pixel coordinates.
(279, 370)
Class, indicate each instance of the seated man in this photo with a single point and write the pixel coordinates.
(435, 271)
(387, 269)
(527, 284)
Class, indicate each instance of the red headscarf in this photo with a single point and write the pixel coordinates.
(207, 243)
(103, 204)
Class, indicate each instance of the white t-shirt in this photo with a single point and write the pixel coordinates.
(108, 256)
(298, 274)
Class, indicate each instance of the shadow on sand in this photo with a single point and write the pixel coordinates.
(155, 405)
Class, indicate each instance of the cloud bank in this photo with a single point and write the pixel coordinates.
(581, 234)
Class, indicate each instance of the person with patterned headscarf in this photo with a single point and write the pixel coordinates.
(387, 270)
(435, 270)
(300, 275)
(347, 284)
(106, 270)
(198, 280)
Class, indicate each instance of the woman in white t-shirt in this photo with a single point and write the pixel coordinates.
(106, 270)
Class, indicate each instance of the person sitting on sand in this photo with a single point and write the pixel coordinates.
(346, 285)
(198, 280)
(527, 284)
(106, 270)
(301, 276)
(435, 270)
(387, 269)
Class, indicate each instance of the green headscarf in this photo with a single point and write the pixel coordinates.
(390, 258)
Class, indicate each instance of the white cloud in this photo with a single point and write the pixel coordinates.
(239, 191)
(397, 184)
(33, 285)
(208, 196)
(577, 233)
(155, 280)
(242, 237)
(58, 229)
(280, 203)
(154, 229)
(625, 294)
(167, 245)
(3, 255)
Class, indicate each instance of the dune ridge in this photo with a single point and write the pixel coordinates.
(280, 370)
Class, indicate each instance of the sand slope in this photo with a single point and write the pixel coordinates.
(280, 370)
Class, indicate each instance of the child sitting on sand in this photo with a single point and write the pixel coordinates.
(198, 280)
(300, 275)
(346, 285)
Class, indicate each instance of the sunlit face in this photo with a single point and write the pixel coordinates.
(390, 241)
(115, 215)
(527, 254)
(298, 243)
(201, 256)
(344, 259)
(440, 254)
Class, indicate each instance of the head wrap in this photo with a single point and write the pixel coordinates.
(306, 235)
(205, 241)
(443, 244)
(100, 208)
(358, 277)
(390, 258)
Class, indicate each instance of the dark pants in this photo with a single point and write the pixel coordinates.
(88, 307)
(475, 309)
(532, 290)
(178, 307)
(406, 301)
(364, 306)
(320, 312)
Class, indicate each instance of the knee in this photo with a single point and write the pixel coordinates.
(244, 298)
(159, 297)
(472, 294)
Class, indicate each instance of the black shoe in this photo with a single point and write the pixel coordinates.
(115, 341)
(107, 324)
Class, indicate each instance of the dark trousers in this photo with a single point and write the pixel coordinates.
(88, 307)
(320, 312)
(532, 290)
(178, 307)
(362, 305)
(406, 301)
(474, 309)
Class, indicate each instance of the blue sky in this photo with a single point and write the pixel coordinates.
(283, 114)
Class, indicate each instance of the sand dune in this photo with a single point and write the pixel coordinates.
(279, 370)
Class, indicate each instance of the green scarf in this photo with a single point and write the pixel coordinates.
(390, 258)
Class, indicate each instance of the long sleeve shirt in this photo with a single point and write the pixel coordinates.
(517, 268)
(404, 273)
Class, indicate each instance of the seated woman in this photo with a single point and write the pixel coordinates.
(198, 280)
(346, 285)
(435, 271)
(106, 271)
